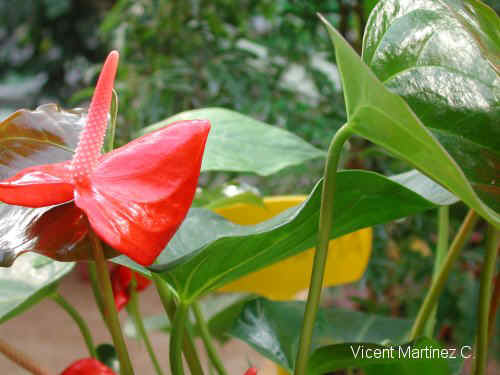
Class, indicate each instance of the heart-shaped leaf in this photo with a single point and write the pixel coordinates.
(201, 257)
(451, 98)
(415, 358)
(443, 58)
(273, 328)
(241, 144)
(341, 339)
(29, 280)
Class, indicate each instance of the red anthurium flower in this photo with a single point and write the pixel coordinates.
(88, 366)
(121, 278)
(251, 371)
(136, 196)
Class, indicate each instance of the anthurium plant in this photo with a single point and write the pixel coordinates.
(425, 88)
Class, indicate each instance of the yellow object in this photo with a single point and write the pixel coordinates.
(347, 259)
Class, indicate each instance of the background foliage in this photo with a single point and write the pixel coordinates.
(270, 60)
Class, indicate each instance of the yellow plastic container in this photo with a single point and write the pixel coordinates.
(347, 259)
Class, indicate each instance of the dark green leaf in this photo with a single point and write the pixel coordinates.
(415, 358)
(384, 118)
(273, 328)
(28, 281)
(202, 255)
(241, 144)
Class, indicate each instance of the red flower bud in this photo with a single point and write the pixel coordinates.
(121, 279)
(251, 371)
(88, 366)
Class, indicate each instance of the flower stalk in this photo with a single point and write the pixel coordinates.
(485, 292)
(320, 256)
(440, 280)
(207, 339)
(109, 305)
(170, 308)
(134, 311)
(78, 319)
(441, 249)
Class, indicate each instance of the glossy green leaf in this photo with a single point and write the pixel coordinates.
(201, 257)
(384, 118)
(273, 329)
(241, 144)
(29, 280)
(414, 358)
(443, 59)
(219, 310)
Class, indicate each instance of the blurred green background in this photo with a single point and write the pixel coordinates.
(269, 59)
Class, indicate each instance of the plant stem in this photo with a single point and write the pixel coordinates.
(495, 303)
(21, 359)
(78, 319)
(176, 338)
(168, 303)
(493, 236)
(439, 282)
(133, 309)
(96, 290)
(207, 340)
(325, 225)
(109, 305)
(441, 249)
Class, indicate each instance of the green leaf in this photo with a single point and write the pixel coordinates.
(27, 282)
(450, 99)
(273, 328)
(241, 144)
(201, 257)
(414, 358)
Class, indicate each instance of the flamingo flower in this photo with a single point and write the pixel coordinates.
(88, 366)
(121, 278)
(134, 197)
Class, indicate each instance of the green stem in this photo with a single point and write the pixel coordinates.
(168, 303)
(78, 319)
(207, 340)
(96, 290)
(325, 225)
(134, 311)
(109, 305)
(21, 359)
(438, 284)
(493, 236)
(441, 249)
(176, 339)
